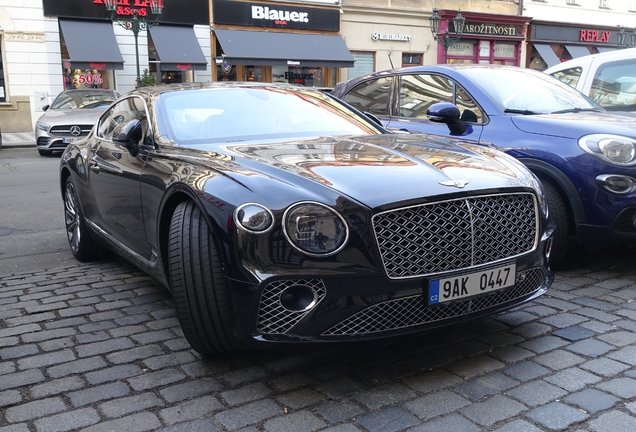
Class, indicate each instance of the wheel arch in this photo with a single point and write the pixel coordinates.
(178, 194)
(547, 172)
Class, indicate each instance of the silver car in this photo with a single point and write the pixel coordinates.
(70, 117)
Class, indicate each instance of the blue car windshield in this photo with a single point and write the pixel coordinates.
(236, 114)
(529, 92)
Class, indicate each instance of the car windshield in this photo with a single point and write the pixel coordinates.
(247, 113)
(525, 92)
(83, 99)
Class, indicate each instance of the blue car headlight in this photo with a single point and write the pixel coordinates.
(613, 149)
(315, 229)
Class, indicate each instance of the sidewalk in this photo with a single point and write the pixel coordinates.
(18, 139)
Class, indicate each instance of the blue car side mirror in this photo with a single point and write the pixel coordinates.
(448, 113)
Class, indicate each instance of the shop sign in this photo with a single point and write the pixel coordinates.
(98, 66)
(298, 76)
(87, 78)
(231, 12)
(462, 49)
(184, 67)
(595, 36)
(489, 29)
(391, 37)
(174, 12)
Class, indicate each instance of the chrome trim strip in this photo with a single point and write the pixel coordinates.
(126, 249)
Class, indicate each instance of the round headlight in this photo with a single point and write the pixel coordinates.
(315, 229)
(254, 218)
(614, 149)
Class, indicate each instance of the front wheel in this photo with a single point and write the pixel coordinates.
(559, 213)
(200, 291)
(82, 245)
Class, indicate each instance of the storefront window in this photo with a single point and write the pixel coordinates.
(364, 64)
(410, 59)
(85, 78)
(461, 52)
(305, 76)
(226, 72)
(253, 73)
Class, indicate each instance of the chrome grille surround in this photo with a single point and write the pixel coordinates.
(413, 311)
(65, 131)
(273, 318)
(451, 235)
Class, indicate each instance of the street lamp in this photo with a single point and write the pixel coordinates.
(622, 35)
(447, 41)
(134, 22)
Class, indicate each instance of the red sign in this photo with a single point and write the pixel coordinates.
(595, 36)
(127, 7)
(97, 65)
(89, 79)
(184, 67)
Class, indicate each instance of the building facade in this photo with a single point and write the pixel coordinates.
(566, 29)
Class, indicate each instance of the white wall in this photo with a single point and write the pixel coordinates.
(620, 12)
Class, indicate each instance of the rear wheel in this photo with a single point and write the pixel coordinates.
(559, 214)
(82, 245)
(45, 152)
(199, 289)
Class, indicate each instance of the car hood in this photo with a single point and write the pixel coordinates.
(71, 116)
(576, 125)
(379, 170)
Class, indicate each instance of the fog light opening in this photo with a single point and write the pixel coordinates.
(548, 249)
(298, 298)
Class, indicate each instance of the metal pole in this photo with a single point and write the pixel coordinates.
(135, 30)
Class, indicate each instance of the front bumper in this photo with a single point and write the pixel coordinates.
(374, 307)
(58, 137)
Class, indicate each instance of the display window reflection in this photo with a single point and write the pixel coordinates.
(305, 76)
(86, 78)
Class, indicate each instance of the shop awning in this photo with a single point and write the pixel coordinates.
(91, 45)
(283, 49)
(577, 51)
(178, 48)
(605, 49)
(547, 54)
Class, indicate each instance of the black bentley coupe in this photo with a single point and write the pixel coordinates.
(278, 215)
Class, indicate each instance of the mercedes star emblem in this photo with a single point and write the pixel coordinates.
(76, 130)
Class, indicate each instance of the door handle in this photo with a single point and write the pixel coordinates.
(94, 167)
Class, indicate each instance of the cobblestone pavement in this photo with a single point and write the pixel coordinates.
(98, 348)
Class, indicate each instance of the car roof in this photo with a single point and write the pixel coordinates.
(628, 53)
(166, 88)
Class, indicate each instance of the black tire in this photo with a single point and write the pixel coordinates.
(200, 291)
(559, 214)
(45, 152)
(83, 246)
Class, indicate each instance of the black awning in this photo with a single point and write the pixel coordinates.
(91, 45)
(178, 48)
(283, 49)
(547, 54)
(577, 51)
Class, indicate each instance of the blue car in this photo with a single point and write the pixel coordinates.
(584, 156)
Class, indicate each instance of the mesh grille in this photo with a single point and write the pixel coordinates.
(452, 235)
(273, 318)
(66, 130)
(413, 310)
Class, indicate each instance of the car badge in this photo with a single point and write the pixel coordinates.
(457, 183)
(76, 130)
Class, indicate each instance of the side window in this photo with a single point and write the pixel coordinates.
(418, 92)
(127, 109)
(371, 96)
(614, 86)
(569, 76)
(468, 108)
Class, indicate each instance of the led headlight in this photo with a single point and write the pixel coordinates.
(613, 149)
(254, 218)
(315, 229)
(42, 126)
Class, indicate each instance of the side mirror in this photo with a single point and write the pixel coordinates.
(128, 133)
(45, 107)
(448, 113)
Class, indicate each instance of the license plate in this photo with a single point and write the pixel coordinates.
(471, 284)
(67, 140)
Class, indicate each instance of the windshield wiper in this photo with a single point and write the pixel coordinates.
(576, 110)
(520, 111)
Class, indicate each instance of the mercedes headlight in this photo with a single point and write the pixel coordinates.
(315, 229)
(613, 149)
(42, 126)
